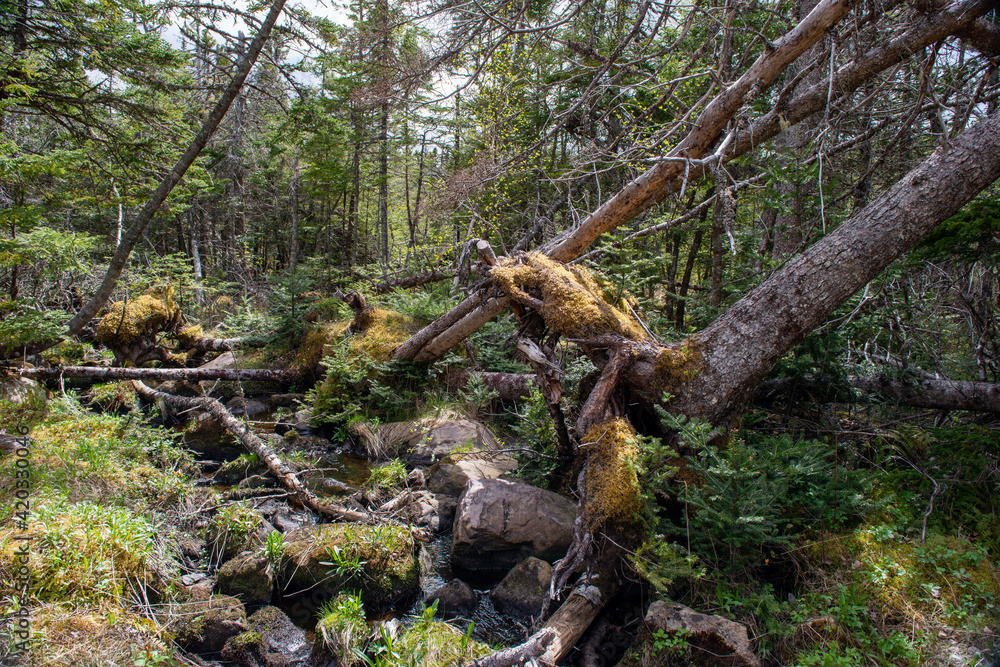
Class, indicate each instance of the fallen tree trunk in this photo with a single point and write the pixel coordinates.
(222, 344)
(242, 432)
(574, 616)
(409, 282)
(508, 386)
(922, 391)
(179, 374)
(520, 654)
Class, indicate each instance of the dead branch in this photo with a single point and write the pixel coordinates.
(179, 374)
(242, 432)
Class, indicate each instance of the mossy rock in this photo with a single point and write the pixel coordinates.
(376, 561)
(341, 631)
(523, 591)
(235, 529)
(249, 577)
(204, 626)
(271, 640)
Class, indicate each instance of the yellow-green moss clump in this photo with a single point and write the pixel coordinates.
(64, 635)
(432, 643)
(315, 344)
(611, 483)
(570, 298)
(142, 318)
(189, 335)
(676, 364)
(376, 561)
(379, 331)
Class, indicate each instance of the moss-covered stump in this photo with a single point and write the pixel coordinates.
(249, 577)
(673, 634)
(204, 626)
(271, 640)
(376, 561)
(524, 590)
(130, 329)
(499, 523)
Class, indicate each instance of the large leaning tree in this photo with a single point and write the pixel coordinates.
(713, 373)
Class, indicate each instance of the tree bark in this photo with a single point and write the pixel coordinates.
(241, 431)
(180, 374)
(738, 349)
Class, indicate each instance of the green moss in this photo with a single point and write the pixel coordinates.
(433, 643)
(612, 486)
(676, 364)
(341, 629)
(388, 476)
(66, 635)
(232, 530)
(570, 298)
(376, 561)
(126, 324)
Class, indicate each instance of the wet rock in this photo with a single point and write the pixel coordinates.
(249, 577)
(432, 440)
(245, 406)
(499, 523)
(377, 561)
(286, 400)
(416, 479)
(204, 626)
(451, 475)
(454, 598)
(708, 641)
(264, 481)
(524, 590)
(271, 640)
(331, 485)
(435, 511)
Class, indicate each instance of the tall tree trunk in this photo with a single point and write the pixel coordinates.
(135, 231)
(383, 185)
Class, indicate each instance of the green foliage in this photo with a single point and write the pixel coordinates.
(23, 323)
(755, 495)
(341, 629)
(533, 426)
(386, 477)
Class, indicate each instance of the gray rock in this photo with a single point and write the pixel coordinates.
(450, 476)
(454, 598)
(286, 400)
(524, 590)
(272, 640)
(249, 577)
(709, 641)
(22, 391)
(432, 440)
(499, 523)
(435, 511)
(204, 626)
(245, 406)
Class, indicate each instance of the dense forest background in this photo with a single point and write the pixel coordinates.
(837, 495)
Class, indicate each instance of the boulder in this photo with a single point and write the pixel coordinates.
(271, 640)
(21, 391)
(700, 639)
(429, 441)
(523, 591)
(204, 626)
(499, 523)
(451, 475)
(454, 598)
(286, 400)
(249, 577)
(377, 561)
